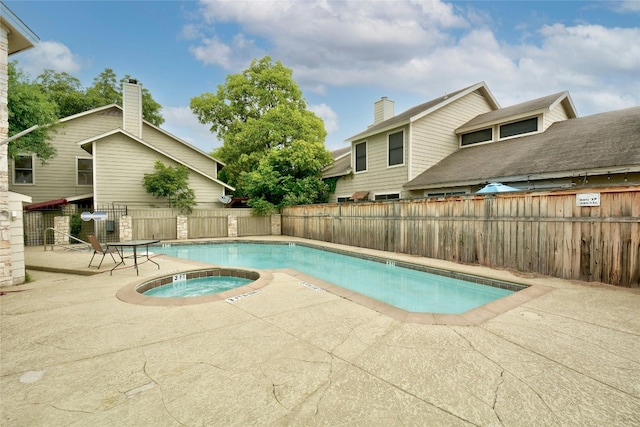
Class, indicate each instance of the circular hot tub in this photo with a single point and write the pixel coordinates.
(194, 287)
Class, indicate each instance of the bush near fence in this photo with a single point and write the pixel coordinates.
(540, 232)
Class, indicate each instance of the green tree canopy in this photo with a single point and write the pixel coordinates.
(171, 183)
(64, 90)
(55, 95)
(106, 89)
(28, 106)
(266, 129)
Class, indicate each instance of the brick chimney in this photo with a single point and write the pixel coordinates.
(132, 107)
(382, 110)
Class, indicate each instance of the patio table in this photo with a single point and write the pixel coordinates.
(134, 244)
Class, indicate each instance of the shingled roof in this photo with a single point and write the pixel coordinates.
(419, 110)
(341, 165)
(606, 141)
(534, 106)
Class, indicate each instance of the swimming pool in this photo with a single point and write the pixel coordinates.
(404, 286)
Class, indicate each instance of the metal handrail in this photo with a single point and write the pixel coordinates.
(44, 239)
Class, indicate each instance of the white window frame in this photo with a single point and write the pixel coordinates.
(33, 171)
(493, 133)
(403, 148)
(366, 158)
(78, 172)
(538, 126)
(387, 193)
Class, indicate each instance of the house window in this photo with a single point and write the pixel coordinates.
(23, 170)
(478, 136)
(447, 193)
(392, 196)
(518, 128)
(396, 148)
(85, 171)
(344, 199)
(361, 157)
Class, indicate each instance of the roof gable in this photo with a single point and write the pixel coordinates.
(535, 106)
(87, 146)
(426, 108)
(114, 110)
(606, 141)
(19, 36)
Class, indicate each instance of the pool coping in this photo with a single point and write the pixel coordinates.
(522, 292)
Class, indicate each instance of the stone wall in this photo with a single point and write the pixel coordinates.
(232, 225)
(125, 228)
(62, 224)
(182, 224)
(6, 275)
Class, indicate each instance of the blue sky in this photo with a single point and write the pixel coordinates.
(345, 55)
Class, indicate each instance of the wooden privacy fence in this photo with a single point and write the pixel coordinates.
(162, 223)
(546, 233)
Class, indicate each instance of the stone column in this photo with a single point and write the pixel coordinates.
(276, 224)
(125, 228)
(232, 226)
(63, 225)
(6, 278)
(182, 225)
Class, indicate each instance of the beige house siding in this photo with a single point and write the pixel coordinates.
(58, 178)
(557, 114)
(433, 136)
(379, 177)
(196, 159)
(132, 161)
(132, 107)
(427, 141)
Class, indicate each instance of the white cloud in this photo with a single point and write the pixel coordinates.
(50, 55)
(625, 6)
(328, 34)
(182, 123)
(327, 114)
(427, 48)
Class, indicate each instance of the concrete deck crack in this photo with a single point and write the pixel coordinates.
(76, 411)
(574, 370)
(162, 396)
(495, 396)
(502, 371)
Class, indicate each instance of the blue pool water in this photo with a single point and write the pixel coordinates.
(197, 287)
(404, 288)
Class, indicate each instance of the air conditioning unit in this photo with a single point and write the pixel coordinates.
(225, 200)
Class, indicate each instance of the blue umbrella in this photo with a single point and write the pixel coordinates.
(496, 187)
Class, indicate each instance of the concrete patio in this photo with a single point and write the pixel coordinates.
(74, 354)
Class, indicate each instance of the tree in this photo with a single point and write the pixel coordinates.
(261, 117)
(107, 90)
(288, 176)
(171, 183)
(52, 96)
(64, 90)
(28, 106)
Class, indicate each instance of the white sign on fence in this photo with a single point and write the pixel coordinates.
(96, 216)
(588, 199)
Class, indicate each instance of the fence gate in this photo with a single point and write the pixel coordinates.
(36, 221)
